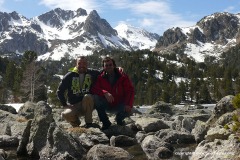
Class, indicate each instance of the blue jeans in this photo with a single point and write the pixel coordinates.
(102, 105)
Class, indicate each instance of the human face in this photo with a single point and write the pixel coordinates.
(82, 65)
(108, 66)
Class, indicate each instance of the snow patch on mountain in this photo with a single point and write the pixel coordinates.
(137, 37)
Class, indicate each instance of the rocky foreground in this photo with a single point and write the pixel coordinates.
(38, 132)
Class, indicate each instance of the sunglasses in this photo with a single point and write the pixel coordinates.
(108, 65)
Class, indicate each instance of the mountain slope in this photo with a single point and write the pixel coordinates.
(73, 33)
(211, 36)
(63, 33)
(137, 37)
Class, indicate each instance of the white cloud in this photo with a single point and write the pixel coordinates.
(151, 8)
(229, 9)
(88, 5)
(1, 2)
(154, 15)
(148, 22)
(120, 4)
(1, 6)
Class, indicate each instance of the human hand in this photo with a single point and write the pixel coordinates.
(128, 108)
(109, 97)
(70, 106)
(120, 69)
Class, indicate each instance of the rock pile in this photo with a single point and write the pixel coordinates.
(37, 131)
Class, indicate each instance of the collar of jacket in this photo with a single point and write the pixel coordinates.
(117, 73)
(73, 69)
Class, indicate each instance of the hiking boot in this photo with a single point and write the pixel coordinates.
(121, 123)
(88, 125)
(106, 126)
(91, 125)
(75, 123)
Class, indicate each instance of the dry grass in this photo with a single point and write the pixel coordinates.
(77, 130)
(22, 119)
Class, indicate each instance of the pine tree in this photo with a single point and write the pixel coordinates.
(31, 76)
(9, 77)
(182, 90)
(204, 93)
(175, 99)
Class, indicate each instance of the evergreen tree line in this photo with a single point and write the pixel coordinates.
(22, 80)
(173, 78)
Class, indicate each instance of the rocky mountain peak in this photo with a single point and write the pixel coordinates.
(15, 15)
(4, 20)
(211, 36)
(196, 36)
(94, 25)
(56, 17)
(81, 12)
(171, 36)
(219, 26)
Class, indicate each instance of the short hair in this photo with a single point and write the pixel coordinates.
(81, 57)
(106, 59)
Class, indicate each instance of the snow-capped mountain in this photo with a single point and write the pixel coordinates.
(64, 33)
(211, 36)
(73, 33)
(137, 37)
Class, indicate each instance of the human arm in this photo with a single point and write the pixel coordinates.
(128, 108)
(97, 87)
(100, 88)
(109, 97)
(62, 87)
(128, 93)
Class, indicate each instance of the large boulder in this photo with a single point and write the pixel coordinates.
(175, 137)
(162, 107)
(122, 141)
(27, 110)
(8, 108)
(105, 152)
(218, 149)
(150, 124)
(43, 139)
(217, 132)
(8, 141)
(88, 137)
(223, 106)
(155, 148)
(3, 154)
(199, 131)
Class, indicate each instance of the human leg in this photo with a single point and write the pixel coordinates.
(101, 105)
(121, 114)
(87, 108)
(71, 115)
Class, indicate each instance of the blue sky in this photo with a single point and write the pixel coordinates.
(153, 15)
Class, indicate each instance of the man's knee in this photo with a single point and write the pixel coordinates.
(99, 102)
(67, 114)
(88, 101)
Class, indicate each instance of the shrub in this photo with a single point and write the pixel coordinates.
(236, 119)
(236, 101)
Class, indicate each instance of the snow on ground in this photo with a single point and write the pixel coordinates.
(142, 108)
(15, 105)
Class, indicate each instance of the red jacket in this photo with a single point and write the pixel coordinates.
(122, 90)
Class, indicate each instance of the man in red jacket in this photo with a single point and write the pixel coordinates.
(113, 92)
